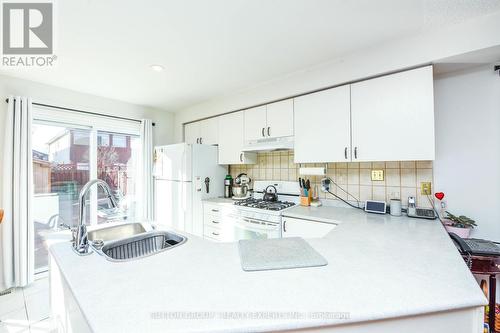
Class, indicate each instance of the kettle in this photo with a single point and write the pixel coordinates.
(269, 195)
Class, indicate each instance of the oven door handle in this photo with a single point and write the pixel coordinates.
(246, 224)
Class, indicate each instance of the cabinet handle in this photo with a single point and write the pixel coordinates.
(284, 226)
(345, 153)
(201, 141)
(263, 129)
(241, 157)
(215, 222)
(197, 140)
(356, 152)
(269, 131)
(215, 210)
(215, 234)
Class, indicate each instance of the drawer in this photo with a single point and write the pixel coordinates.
(211, 209)
(213, 221)
(220, 234)
(211, 232)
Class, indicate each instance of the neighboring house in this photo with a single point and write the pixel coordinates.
(69, 154)
(72, 147)
(59, 148)
(41, 172)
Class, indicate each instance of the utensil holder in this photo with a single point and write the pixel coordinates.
(305, 201)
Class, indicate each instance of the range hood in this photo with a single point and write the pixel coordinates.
(270, 144)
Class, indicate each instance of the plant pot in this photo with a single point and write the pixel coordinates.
(461, 232)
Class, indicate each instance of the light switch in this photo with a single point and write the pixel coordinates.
(377, 175)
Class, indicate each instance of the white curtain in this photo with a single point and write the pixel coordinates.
(147, 169)
(17, 193)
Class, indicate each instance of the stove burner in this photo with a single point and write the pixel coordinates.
(267, 205)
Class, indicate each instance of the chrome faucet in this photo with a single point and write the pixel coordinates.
(81, 240)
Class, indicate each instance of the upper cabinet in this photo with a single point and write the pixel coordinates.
(192, 133)
(269, 121)
(280, 119)
(202, 132)
(322, 126)
(389, 118)
(393, 117)
(209, 131)
(255, 123)
(231, 140)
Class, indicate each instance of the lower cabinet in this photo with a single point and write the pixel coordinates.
(294, 227)
(218, 225)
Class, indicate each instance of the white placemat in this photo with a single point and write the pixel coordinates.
(278, 253)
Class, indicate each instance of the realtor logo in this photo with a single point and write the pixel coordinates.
(28, 34)
(27, 28)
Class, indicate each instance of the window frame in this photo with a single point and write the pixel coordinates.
(94, 123)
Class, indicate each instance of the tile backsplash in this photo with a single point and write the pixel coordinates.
(401, 179)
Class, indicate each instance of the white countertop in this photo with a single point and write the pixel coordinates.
(379, 267)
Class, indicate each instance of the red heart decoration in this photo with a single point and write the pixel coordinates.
(439, 195)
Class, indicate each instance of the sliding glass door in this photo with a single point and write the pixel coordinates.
(66, 157)
(60, 168)
(117, 161)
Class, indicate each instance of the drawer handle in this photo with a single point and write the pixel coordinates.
(263, 132)
(215, 234)
(269, 131)
(215, 222)
(215, 210)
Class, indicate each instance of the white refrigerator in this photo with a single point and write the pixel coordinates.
(185, 174)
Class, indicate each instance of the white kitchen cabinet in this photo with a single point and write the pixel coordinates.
(280, 119)
(218, 223)
(393, 117)
(273, 120)
(293, 227)
(202, 132)
(192, 133)
(255, 123)
(209, 131)
(322, 126)
(231, 140)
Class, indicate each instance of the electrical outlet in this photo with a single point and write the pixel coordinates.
(425, 188)
(377, 175)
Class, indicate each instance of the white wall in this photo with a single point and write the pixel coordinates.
(430, 46)
(467, 166)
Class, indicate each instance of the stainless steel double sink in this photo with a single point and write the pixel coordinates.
(131, 241)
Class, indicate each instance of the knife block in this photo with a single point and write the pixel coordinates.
(305, 201)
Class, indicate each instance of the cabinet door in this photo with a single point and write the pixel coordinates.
(292, 227)
(231, 140)
(280, 119)
(322, 126)
(192, 132)
(255, 123)
(209, 131)
(393, 117)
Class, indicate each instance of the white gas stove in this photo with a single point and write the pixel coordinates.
(258, 218)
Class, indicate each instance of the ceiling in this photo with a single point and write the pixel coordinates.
(211, 48)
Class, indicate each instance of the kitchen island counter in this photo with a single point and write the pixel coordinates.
(381, 270)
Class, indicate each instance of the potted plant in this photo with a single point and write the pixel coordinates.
(460, 225)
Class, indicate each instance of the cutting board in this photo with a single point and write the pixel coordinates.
(278, 253)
